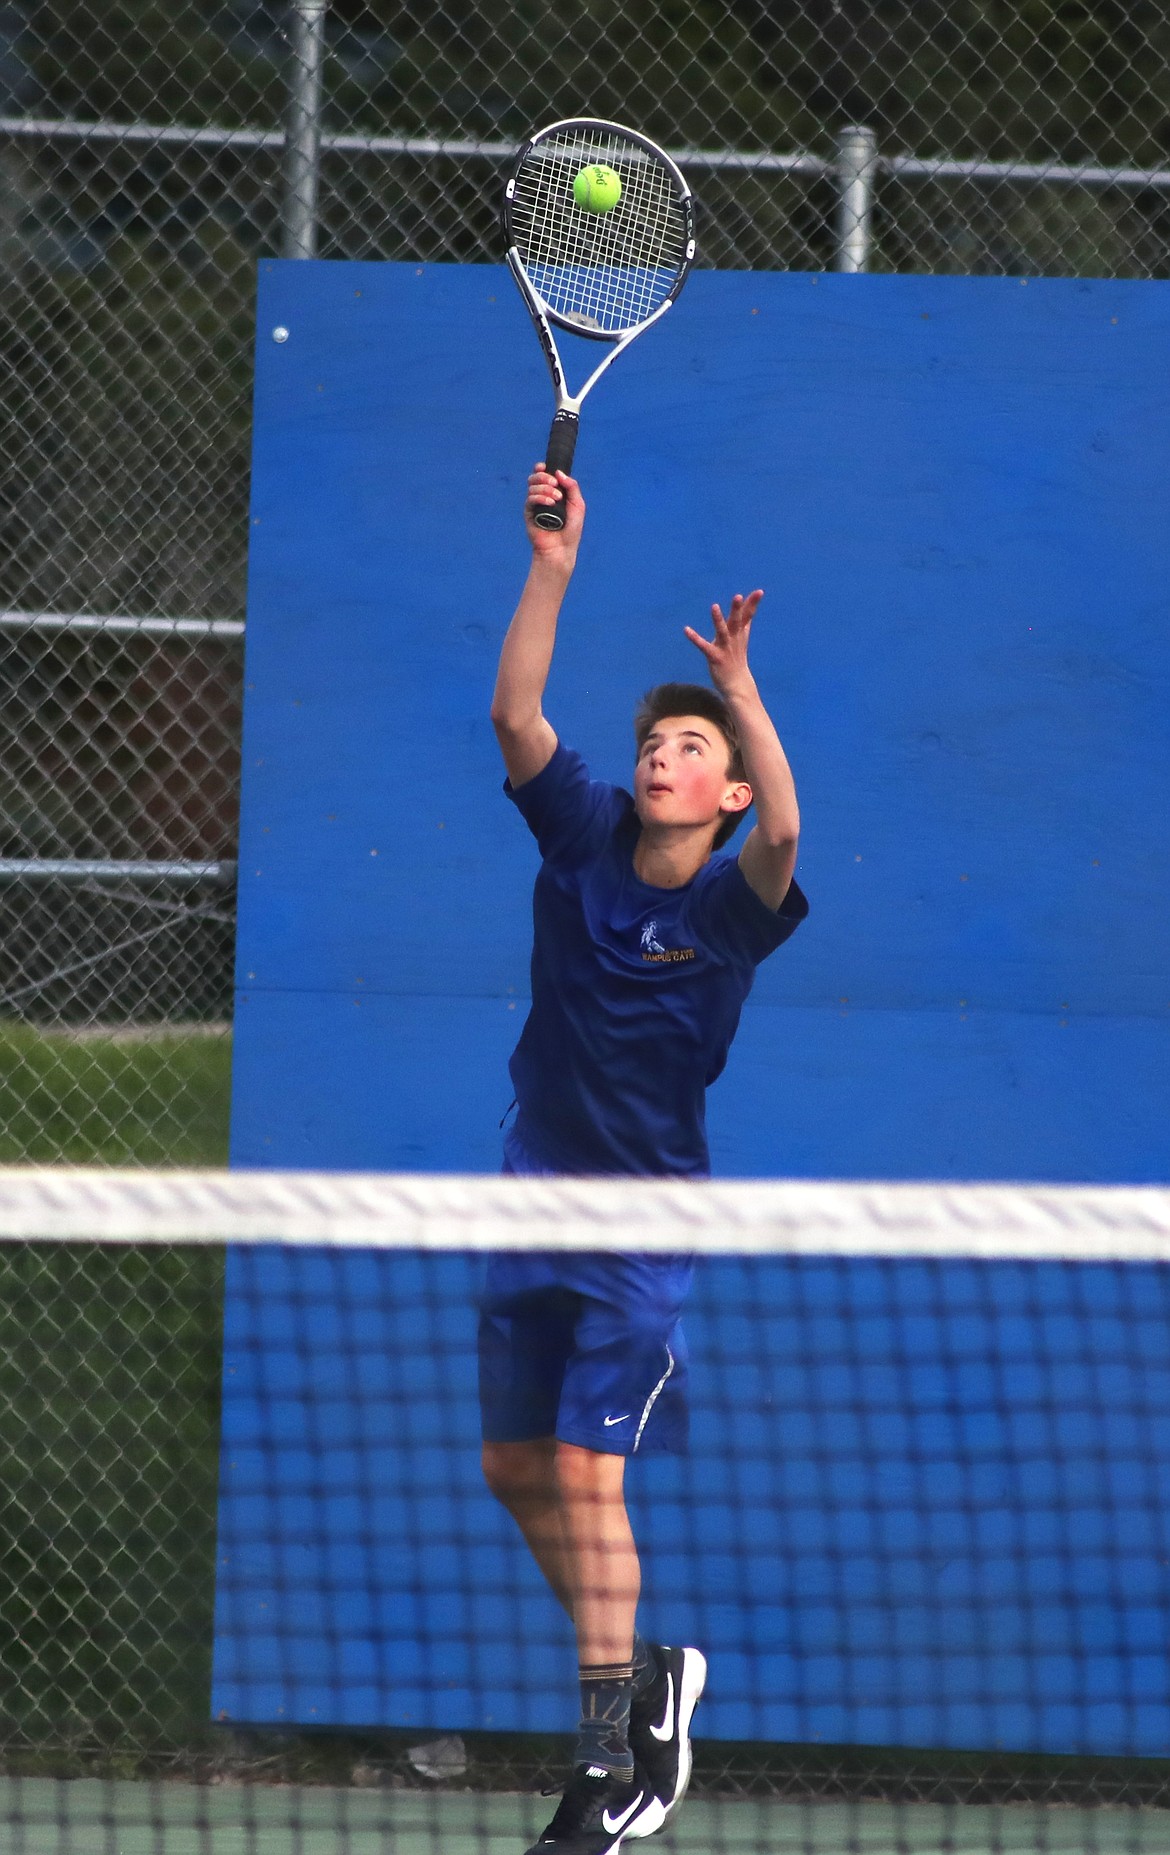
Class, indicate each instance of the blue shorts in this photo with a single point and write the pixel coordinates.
(586, 1348)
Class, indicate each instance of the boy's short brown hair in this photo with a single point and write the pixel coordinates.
(668, 699)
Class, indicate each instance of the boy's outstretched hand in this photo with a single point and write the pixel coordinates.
(555, 544)
(727, 652)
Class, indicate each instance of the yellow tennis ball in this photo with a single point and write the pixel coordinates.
(597, 189)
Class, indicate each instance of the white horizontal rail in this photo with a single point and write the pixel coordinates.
(914, 167)
(423, 147)
(901, 167)
(115, 869)
(145, 627)
(152, 134)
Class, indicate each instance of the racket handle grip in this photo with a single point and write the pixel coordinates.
(562, 442)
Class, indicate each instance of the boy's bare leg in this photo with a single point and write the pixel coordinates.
(569, 1505)
(601, 1557)
(523, 1478)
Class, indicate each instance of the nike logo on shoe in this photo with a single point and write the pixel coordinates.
(613, 1824)
(666, 1730)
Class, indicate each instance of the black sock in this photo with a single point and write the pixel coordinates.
(603, 1737)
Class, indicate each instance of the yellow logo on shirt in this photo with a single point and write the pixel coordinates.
(656, 954)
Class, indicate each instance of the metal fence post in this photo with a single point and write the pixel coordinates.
(856, 169)
(303, 134)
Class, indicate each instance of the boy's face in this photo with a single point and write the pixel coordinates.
(681, 775)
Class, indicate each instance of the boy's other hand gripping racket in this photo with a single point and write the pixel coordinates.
(600, 235)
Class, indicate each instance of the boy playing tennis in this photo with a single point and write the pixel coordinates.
(645, 947)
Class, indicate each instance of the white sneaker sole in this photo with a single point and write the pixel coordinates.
(647, 1823)
(694, 1680)
(691, 1684)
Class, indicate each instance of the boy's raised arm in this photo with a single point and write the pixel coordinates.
(527, 740)
(768, 857)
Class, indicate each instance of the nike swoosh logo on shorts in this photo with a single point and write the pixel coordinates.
(610, 1421)
(666, 1730)
(612, 1824)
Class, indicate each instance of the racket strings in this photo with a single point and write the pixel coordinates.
(605, 271)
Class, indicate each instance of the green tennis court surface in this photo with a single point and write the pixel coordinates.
(40, 1816)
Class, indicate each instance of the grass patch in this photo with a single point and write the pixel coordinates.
(157, 1097)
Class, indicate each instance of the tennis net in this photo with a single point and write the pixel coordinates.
(255, 1597)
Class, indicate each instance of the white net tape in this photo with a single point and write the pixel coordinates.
(464, 1212)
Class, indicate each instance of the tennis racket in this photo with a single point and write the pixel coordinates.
(606, 275)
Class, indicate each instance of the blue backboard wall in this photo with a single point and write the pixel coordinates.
(953, 491)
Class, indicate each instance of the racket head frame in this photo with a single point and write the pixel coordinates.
(683, 200)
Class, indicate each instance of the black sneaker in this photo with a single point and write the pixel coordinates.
(660, 1727)
(598, 1811)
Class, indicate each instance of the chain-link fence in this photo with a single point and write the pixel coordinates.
(152, 149)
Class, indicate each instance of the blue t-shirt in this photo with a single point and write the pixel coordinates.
(636, 990)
